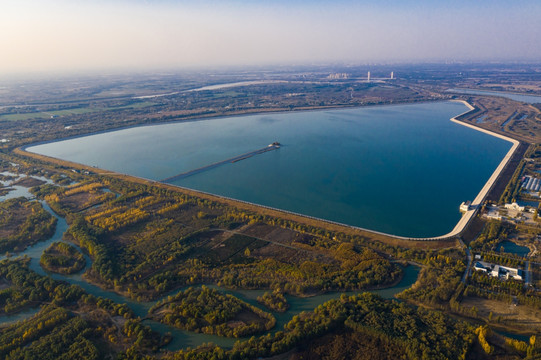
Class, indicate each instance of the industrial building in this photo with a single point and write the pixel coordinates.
(499, 271)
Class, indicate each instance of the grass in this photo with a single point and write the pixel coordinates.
(509, 314)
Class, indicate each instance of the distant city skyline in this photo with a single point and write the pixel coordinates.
(62, 35)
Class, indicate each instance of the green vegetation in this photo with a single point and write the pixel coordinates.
(150, 240)
(493, 233)
(274, 300)
(211, 312)
(23, 223)
(411, 333)
(30, 115)
(71, 325)
(512, 190)
(62, 258)
(53, 334)
(438, 280)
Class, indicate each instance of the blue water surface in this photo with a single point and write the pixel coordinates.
(399, 169)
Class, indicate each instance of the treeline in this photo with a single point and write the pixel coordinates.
(492, 234)
(72, 323)
(103, 263)
(62, 258)
(80, 188)
(512, 190)
(510, 260)
(37, 289)
(484, 281)
(415, 333)
(211, 312)
(52, 334)
(164, 254)
(231, 215)
(438, 280)
(25, 223)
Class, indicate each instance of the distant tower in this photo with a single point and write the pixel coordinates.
(392, 75)
(369, 76)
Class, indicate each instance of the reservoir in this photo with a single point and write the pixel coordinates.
(399, 169)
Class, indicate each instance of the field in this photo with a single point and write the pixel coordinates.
(505, 116)
(21, 114)
(510, 314)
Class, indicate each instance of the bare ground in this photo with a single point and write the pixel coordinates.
(520, 315)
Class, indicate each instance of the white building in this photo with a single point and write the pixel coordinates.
(514, 206)
(499, 271)
(465, 206)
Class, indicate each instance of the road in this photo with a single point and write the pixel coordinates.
(528, 274)
(468, 267)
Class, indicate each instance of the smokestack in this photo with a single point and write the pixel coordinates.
(392, 75)
(369, 76)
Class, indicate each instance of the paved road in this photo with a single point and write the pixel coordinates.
(468, 267)
(528, 274)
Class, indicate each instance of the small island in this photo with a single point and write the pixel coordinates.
(211, 312)
(62, 258)
(23, 223)
(274, 300)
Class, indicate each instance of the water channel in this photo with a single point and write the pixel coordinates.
(180, 338)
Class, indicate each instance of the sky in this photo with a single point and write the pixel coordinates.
(77, 35)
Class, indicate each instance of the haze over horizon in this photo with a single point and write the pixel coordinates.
(62, 35)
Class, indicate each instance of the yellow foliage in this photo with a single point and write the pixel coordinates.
(52, 198)
(147, 201)
(482, 332)
(516, 344)
(117, 220)
(104, 213)
(76, 189)
(168, 208)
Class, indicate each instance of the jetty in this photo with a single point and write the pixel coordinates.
(274, 146)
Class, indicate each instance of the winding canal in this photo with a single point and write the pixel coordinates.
(180, 338)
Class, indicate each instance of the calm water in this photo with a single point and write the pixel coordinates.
(532, 99)
(401, 169)
(512, 248)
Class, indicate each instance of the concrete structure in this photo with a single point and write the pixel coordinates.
(465, 206)
(336, 76)
(531, 184)
(498, 271)
(514, 206)
(494, 216)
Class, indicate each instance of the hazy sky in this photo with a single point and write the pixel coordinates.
(45, 35)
